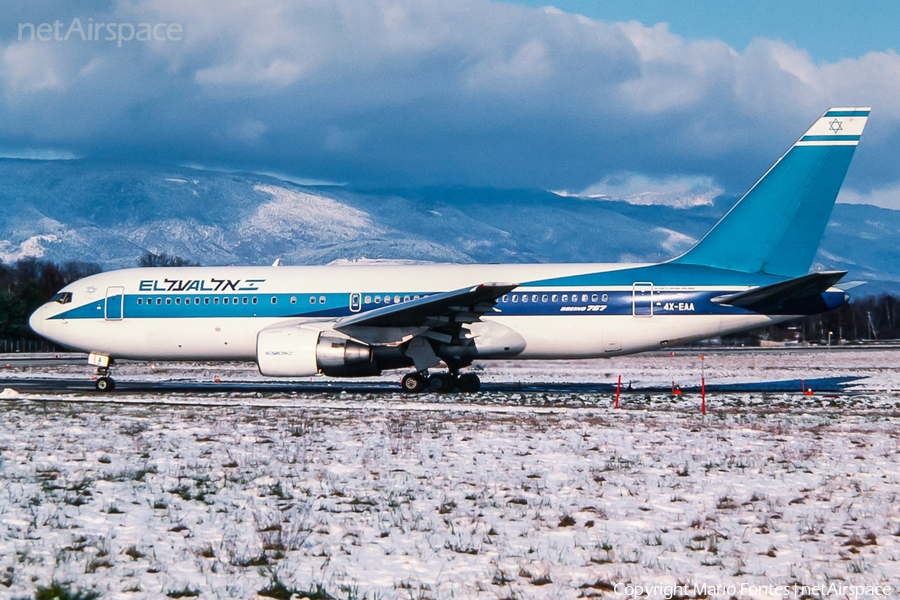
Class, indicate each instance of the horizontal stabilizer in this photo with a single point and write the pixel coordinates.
(777, 294)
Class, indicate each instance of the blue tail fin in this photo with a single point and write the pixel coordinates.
(776, 227)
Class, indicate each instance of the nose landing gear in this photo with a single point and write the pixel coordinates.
(103, 382)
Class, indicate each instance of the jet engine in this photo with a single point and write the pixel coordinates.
(296, 351)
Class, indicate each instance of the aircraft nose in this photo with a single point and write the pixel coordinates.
(36, 321)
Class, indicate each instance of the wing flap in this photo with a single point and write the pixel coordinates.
(428, 315)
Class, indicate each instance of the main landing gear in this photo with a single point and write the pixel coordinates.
(440, 383)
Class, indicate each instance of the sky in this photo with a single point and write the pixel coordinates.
(581, 97)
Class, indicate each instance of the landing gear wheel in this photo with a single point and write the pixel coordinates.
(441, 383)
(469, 383)
(413, 383)
(105, 384)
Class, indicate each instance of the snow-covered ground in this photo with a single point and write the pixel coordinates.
(497, 495)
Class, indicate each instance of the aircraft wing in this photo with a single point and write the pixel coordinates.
(777, 294)
(438, 316)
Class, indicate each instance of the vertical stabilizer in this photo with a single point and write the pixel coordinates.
(777, 226)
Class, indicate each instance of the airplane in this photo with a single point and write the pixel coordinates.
(749, 270)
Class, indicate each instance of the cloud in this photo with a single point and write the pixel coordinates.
(402, 92)
(676, 191)
(885, 197)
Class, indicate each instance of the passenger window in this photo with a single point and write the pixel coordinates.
(255, 300)
(584, 297)
(524, 297)
(367, 300)
(605, 297)
(234, 300)
(140, 301)
(544, 298)
(206, 300)
(594, 297)
(565, 297)
(177, 300)
(406, 298)
(225, 300)
(293, 300)
(555, 298)
(504, 299)
(274, 300)
(244, 300)
(216, 300)
(158, 301)
(168, 301)
(321, 299)
(377, 299)
(312, 299)
(515, 299)
(396, 299)
(534, 297)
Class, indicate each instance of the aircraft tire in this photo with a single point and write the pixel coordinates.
(441, 383)
(413, 383)
(469, 383)
(105, 384)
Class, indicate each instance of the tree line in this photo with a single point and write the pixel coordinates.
(30, 282)
(864, 318)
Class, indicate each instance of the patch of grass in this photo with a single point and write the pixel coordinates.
(58, 591)
(98, 563)
(726, 502)
(277, 491)
(277, 589)
(187, 592)
(567, 521)
(447, 507)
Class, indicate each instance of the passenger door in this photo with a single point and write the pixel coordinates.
(115, 302)
(642, 299)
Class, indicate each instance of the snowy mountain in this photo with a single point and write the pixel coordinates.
(112, 214)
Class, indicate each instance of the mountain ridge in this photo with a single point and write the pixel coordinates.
(113, 213)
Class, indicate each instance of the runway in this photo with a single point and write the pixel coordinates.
(839, 370)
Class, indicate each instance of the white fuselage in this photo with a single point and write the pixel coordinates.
(216, 313)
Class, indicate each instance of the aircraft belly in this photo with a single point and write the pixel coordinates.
(596, 336)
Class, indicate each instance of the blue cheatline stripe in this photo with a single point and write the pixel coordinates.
(847, 113)
(559, 301)
(830, 138)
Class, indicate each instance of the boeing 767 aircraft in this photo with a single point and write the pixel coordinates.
(750, 269)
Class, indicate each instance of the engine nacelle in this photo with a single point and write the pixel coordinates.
(294, 351)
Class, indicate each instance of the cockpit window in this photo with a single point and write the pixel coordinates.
(63, 297)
